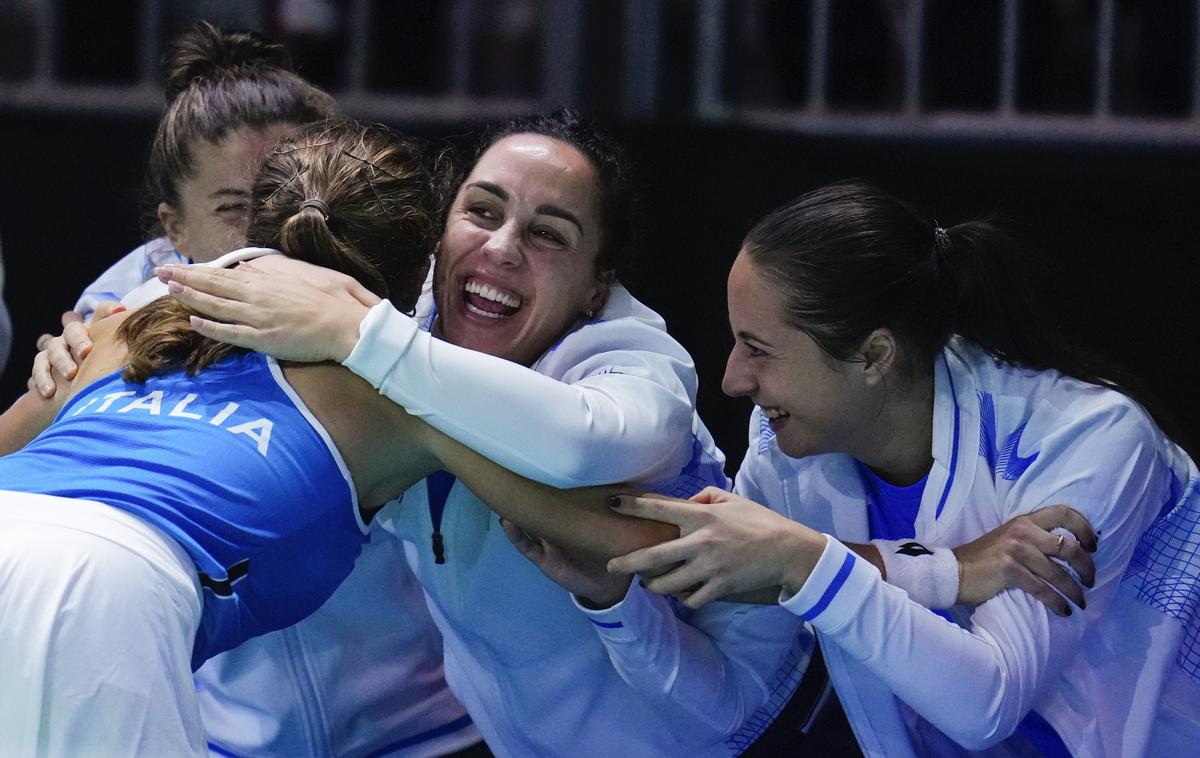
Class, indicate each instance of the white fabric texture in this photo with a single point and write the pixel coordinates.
(612, 401)
(126, 274)
(620, 383)
(99, 613)
(1116, 679)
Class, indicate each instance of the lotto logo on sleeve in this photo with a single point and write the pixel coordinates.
(913, 549)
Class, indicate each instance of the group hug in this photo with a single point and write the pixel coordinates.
(368, 452)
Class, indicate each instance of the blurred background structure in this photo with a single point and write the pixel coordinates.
(1079, 120)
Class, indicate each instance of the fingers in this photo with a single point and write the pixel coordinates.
(70, 317)
(42, 340)
(222, 282)
(710, 495)
(678, 512)
(240, 335)
(106, 309)
(1044, 594)
(40, 381)
(1079, 559)
(78, 339)
(1065, 517)
(651, 561)
(61, 358)
(526, 545)
(212, 306)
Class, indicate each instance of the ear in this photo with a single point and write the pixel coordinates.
(881, 353)
(172, 224)
(601, 290)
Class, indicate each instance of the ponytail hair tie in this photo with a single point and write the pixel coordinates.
(320, 205)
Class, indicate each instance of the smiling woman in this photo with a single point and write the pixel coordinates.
(520, 254)
(547, 365)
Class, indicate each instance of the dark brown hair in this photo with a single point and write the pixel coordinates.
(850, 258)
(373, 212)
(614, 174)
(218, 82)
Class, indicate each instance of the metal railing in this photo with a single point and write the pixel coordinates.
(643, 63)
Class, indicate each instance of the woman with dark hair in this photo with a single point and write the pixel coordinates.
(529, 350)
(188, 495)
(230, 96)
(909, 392)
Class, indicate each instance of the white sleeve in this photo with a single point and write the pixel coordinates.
(710, 674)
(619, 406)
(977, 686)
(127, 273)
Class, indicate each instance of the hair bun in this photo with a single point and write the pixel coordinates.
(206, 52)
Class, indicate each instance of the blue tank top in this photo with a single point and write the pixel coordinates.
(232, 465)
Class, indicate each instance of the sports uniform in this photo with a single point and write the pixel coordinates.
(360, 676)
(611, 401)
(1119, 678)
(165, 451)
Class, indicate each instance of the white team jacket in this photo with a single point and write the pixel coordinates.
(361, 676)
(612, 401)
(122, 277)
(1119, 679)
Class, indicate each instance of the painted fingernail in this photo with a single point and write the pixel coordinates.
(614, 501)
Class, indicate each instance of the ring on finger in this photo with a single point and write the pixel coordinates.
(1058, 545)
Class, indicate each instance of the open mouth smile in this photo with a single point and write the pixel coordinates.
(488, 301)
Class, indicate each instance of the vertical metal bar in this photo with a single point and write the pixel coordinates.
(914, 48)
(149, 42)
(562, 43)
(710, 59)
(45, 22)
(818, 55)
(1196, 61)
(639, 86)
(358, 42)
(462, 26)
(1010, 18)
(1105, 36)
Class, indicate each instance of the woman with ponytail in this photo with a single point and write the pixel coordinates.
(230, 96)
(186, 496)
(908, 393)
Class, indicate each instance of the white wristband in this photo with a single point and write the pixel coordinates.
(929, 575)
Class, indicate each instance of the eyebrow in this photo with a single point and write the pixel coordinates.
(228, 192)
(546, 210)
(746, 336)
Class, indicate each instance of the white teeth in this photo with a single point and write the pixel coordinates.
(487, 292)
(774, 413)
(479, 312)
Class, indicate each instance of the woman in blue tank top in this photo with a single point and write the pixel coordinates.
(187, 495)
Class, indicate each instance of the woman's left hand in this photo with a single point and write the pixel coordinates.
(295, 312)
(727, 545)
(587, 579)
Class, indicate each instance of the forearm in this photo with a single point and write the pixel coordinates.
(975, 686)
(27, 417)
(576, 520)
(549, 430)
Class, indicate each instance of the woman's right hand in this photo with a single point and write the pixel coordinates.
(1020, 554)
(62, 355)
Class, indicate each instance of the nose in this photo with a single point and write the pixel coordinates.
(738, 380)
(503, 245)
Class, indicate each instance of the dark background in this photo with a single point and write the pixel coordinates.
(1115, 226)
